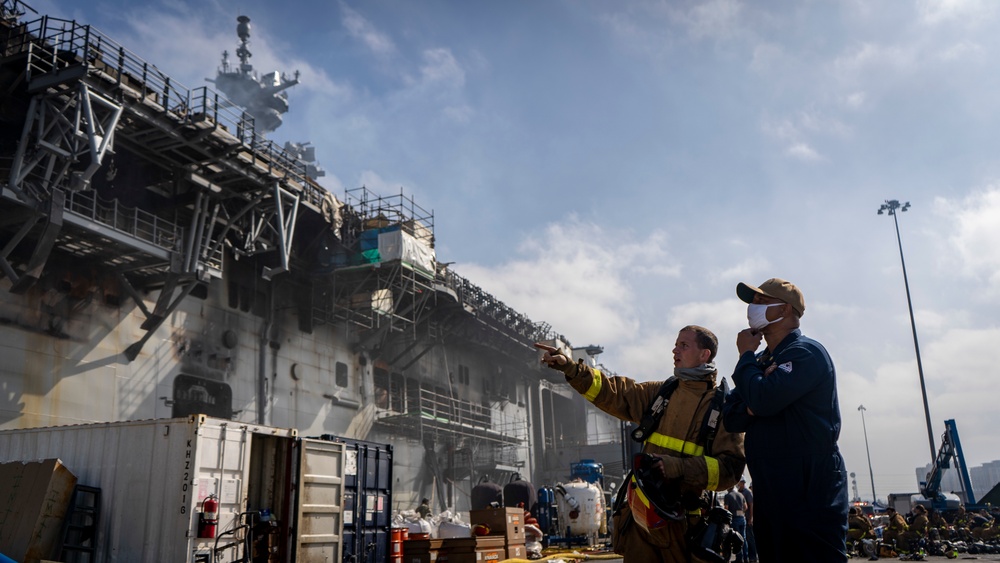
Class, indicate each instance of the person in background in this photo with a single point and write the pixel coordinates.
(939, 526)
(919, 527)
(736, 504)
(751, 544)
(424, 510)
(785, 400)
(894, 528)
(859, 527)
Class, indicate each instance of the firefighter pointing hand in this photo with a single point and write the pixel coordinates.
(552, 356)
(686, 450)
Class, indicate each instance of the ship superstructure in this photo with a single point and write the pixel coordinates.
(161, 257)
(263, 96)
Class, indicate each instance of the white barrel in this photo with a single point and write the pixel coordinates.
(581, 508)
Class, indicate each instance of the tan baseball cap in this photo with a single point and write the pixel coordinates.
(776, 288)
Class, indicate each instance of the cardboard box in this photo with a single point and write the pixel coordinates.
(507, 522)
(478, 549)
(476, 543)
(516, 551)
(479, 556)
(421, 550)
(425, 557)
(34, 498)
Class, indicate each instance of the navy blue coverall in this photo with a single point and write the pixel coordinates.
(799, 479)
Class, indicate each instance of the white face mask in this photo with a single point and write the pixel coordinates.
(757, 315)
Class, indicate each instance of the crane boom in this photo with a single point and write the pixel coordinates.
(951, 447)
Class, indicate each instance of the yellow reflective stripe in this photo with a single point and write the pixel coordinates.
(639, 493)
(675, 444)
(712, 465)
(595, 387)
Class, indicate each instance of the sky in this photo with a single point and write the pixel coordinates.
(614, 169)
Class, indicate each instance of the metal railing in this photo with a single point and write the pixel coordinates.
(452, 411)
(487, 306)
(135, 222)
(131, 221)
(54, 45)
(456, 411)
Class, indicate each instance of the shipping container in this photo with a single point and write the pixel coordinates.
(280, 498)
(367, 500)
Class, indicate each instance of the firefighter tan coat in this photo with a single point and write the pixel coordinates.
(675, 436)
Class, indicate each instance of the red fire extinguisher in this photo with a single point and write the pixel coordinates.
(209, 517)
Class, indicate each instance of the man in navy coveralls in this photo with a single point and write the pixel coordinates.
(785, 399)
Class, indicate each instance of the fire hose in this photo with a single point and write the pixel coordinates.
(566, 555)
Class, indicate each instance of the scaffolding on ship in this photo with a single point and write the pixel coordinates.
(163, 187)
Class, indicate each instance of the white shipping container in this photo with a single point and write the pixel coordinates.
(155, 474)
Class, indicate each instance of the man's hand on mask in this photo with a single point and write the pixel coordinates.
(748, 340)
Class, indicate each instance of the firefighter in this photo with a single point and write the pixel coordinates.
(939, 529)
(980, 524)
(647, 531)
(960, 523)
(894, 529)
(918, 528)
(859, 526)
(860, 533)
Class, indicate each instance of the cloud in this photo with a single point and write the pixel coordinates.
(578, 276)
(968, 12)
(380, 44)
(172, 39)
(713, 19)
(377, 184)
(652, 29)
(872, 57)
(461, 114)
(805, 121)
(440, 67)
(961, 50)
(855, 100)
(817, 122)
(796, 129)
(746, 269)
(975, 223)
(803, 151)
(768, 57)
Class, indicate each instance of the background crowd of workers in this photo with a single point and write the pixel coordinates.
(782, 421)
(739, 502)
(923, 526)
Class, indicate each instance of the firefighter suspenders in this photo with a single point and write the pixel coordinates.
(709, 426)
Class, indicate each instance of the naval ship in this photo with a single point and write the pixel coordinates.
(161, 257)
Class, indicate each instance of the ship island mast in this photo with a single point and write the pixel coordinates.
(262, 96)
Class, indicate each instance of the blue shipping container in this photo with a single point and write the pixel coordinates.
(367, 500)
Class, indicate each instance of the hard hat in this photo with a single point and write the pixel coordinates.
(654, 503)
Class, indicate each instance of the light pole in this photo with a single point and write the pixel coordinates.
(867, 451)
(892, 206)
